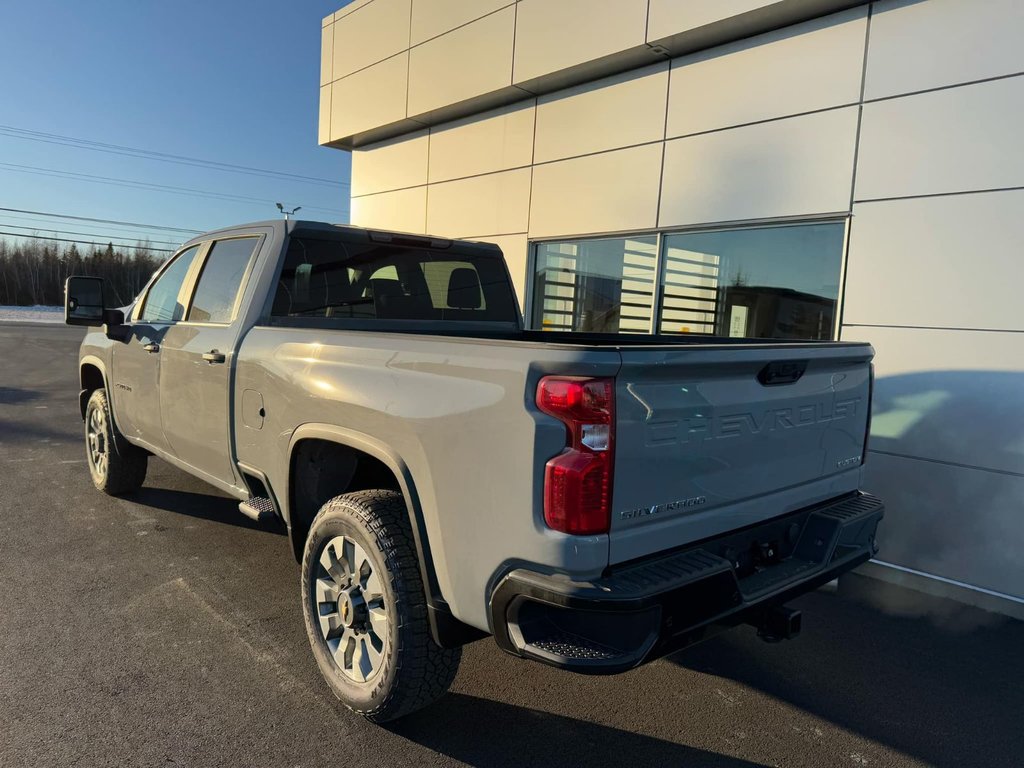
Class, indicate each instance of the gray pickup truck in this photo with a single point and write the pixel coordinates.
(593, 502)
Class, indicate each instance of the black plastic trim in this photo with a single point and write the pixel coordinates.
(694, 593)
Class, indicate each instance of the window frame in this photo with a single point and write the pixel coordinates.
(192, 280)
(140, 303)
(533, 246)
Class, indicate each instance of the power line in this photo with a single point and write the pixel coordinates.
(118, 149)
(131, 184)
(85, 242)
(100, 230)
(103, 221)
(88, 234)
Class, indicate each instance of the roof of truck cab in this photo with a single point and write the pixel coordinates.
(280, 227)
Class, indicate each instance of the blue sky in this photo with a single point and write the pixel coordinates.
(233, 81)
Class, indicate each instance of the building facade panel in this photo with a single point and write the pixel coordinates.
(370, 97)
(375, 32)
(615, 112)
(327, 54)
(466, 62)
(916, 46)
(792, 167)
(494, 141)
(811, 66)
(607, 192)
(391, 165)
(493, 204)
(956, 522)
(953, 140)
(555, 35)
(404, 210)
(949, 261)
(670, 17)
(948, 395)
(324, 121)
(515, 249)
(431, 18)
(348, 9)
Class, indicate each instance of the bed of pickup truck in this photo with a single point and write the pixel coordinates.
(592, 501)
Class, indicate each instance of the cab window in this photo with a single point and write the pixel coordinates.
(162, 304)
(221, 279)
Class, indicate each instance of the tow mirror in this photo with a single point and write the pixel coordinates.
(84, 304)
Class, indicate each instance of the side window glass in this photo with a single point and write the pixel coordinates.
(221, 278)
(162, 305)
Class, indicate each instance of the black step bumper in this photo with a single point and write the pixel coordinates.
(643, 610)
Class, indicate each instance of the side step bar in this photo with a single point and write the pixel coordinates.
(258, 508)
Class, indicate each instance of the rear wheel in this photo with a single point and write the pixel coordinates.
(365, 609)
(116, 466)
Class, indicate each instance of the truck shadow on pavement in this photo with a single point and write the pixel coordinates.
(19, 433)
(516, 736)
(942, 684)
(16, 396)
(203, 506)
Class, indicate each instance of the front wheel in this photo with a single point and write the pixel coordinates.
(365, 609)
(116, 466)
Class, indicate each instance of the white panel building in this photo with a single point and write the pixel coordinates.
(793, 169)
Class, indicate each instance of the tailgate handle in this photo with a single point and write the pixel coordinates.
(787, 372)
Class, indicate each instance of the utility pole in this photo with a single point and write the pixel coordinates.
(288, 213)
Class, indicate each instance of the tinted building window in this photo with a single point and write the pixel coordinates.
(214, 299)
(162, 305)
(598, 286)
(759, 282)
(763, 282)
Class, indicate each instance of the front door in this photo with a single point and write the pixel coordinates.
(135, 366)
(197, 363)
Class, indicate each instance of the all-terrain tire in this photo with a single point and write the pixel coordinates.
(116, 466)
(412, 670)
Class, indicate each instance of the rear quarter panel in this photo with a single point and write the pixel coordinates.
(458, 415)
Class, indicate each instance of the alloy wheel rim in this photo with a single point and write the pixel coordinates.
(96, 440)
(350, 608)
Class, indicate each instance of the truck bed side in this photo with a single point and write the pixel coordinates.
(453, 413)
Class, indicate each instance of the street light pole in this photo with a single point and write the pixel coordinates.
(288, 213)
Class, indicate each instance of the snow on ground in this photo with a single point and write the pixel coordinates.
(36, 314)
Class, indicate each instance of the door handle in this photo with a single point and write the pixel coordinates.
(151, 347)
(213, 356)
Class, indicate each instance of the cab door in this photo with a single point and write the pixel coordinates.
(197, 360)
(135, 367)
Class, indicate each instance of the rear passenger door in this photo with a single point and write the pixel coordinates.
(197, 361)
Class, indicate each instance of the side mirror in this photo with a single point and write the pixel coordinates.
(84, 304)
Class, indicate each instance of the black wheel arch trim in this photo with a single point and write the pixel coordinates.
(446, 629)
(85, 393)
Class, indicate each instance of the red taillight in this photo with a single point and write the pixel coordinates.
(578, 482)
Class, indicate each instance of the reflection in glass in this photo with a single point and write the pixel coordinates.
(162, 305)
(777, 282)
(596, 286)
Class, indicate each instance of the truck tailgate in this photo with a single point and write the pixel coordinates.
(714, 438)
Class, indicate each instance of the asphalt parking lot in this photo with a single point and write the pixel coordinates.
(165, 629)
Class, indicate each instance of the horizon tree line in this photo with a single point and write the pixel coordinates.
(33, 272)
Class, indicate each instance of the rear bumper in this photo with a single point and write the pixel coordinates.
(640, 611)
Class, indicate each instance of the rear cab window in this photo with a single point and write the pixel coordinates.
(336, 279)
